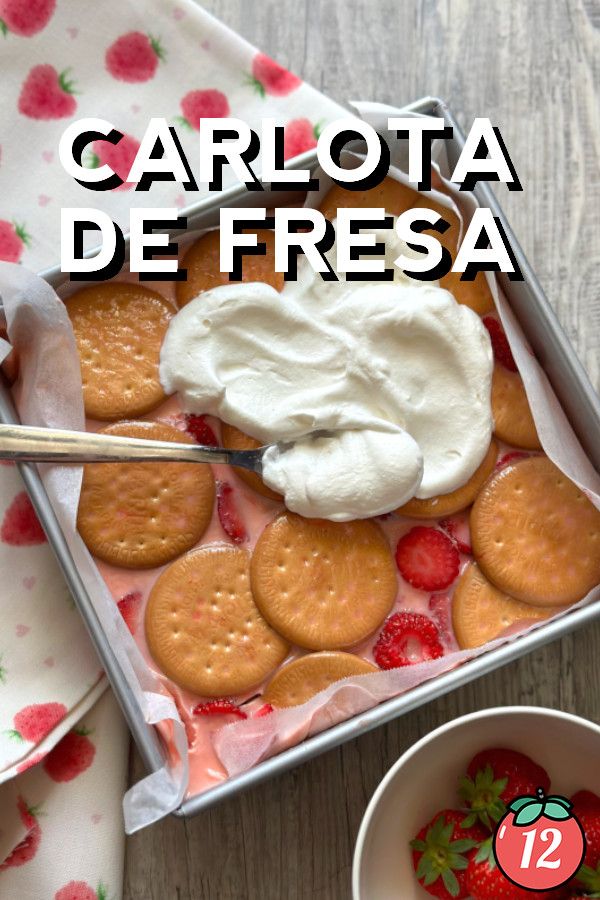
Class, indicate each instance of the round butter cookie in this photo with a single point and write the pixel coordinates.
(203, 273)
(475, 294)
(480, 612)
(535, 535)
(513, 422)
(119, 330)
(302, 678)
(234, 439)
(455, 501)
(143, 514)
(394, 197)
(203, 628)
(323, 585)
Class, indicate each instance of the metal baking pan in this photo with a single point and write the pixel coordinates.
(573, 389)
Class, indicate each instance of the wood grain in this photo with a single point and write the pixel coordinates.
(534, 68)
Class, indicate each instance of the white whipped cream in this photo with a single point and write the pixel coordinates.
(399, 370)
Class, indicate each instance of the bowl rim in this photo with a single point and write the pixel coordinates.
(428, 738)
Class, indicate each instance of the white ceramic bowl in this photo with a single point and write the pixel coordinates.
(424, 781)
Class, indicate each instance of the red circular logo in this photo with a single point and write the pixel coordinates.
(539, 843)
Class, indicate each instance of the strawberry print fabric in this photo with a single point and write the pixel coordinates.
(125, 62)
(64, 823)
(62, 749)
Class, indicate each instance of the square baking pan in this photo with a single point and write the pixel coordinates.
(574, 391)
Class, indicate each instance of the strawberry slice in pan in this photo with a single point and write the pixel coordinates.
(220, 707)
(229, 515)
(427, 558)
(407, 638)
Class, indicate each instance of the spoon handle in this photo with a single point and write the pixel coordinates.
(25, 443)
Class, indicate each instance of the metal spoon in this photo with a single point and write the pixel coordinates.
(25, 443)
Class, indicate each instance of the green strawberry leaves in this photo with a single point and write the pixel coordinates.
(529, 809)
(65, 83)
(486, 853)
(442, 856)
(590, 879)
(483, 797)
(157, 47)
(21, 233)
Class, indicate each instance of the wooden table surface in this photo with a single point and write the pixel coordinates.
(534, 69)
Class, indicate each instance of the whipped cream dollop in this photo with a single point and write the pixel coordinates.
(399, 372)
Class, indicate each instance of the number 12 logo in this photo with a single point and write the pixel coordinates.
(539, 843)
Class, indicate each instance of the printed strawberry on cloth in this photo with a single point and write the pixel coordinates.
(61, 833)
(125, 62)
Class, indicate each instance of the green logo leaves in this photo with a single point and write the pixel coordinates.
(528, 810)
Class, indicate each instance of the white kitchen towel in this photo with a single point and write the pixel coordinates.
(62, 837)
(125, 62)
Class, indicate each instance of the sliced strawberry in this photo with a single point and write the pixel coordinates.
(264, 710)
(219, 707)
(427, 559)
(229, 516)
(457, 529)
(440, 607)
(494, 778)
(512, 456)
(405, 639)
(198, 428)
(129, 607)
(441, 852)
(500, 345)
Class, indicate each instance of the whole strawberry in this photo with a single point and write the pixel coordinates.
(32, 723)
(47, 94)
(81, 890)
(494, 778)
(586, 806)
(71, 756)
(197, 105)
(119, 157)
(485, 881)
(25, 17)
(20, 526)
(134, 57)
(441, 852)
(13, 240)
(299, 135)
(269, 77)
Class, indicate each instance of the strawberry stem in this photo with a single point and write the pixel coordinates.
(318, 129)
(21, 233)
(181, 120)
(15, 736)
(256, 85)
(101, 891)
(83, 731)
(36, 810)
(3, 28)
(157, 47)
(66, 85)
